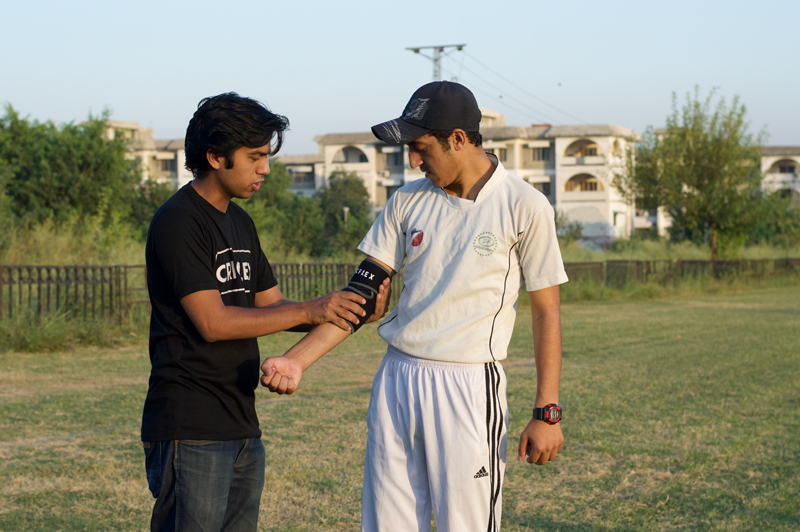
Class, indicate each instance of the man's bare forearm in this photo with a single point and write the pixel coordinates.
(316, 344)
(232, 323)
(282, 374)
(547, 349)
(546, 325)
(327, 336)
(216, 321)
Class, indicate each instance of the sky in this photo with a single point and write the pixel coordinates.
(336, 67)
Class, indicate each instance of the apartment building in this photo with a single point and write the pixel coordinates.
(780, 166)
(162, 160)
(573, 166)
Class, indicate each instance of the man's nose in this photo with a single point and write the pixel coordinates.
(414, 160)
(263, 168)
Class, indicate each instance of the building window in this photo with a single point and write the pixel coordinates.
(583, 183)
(583, 148)
(541, 154)
(500, 153)
(544, 188)
(169, 166)
(786, 169)
(350, 154)
(354, 155)
(394, 159)
(304, 180)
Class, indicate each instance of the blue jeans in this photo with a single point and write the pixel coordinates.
(205, 486)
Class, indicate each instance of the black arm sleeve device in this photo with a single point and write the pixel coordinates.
(365, 282)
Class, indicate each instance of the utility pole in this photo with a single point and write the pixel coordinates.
(438, 53)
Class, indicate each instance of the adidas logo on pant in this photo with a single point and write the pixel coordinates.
(481, 473)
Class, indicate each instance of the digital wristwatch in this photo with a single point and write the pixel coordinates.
(550, 414)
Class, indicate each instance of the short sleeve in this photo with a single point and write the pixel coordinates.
(183, 252)
(386, 238)
(540, 256)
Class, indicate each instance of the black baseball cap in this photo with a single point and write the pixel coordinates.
(441, 105)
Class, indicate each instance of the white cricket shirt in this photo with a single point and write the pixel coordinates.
(467, 261)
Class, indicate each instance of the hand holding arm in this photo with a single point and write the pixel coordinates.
(382, 300)
(273, 313)
(337, 308)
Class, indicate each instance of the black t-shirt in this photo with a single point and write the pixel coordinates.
(200, 390)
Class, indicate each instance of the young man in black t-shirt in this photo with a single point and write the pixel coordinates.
(213, 293)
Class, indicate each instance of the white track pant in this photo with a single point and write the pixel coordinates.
(437, 442)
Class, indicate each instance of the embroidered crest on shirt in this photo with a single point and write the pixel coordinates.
(416, 237)
(484, 244)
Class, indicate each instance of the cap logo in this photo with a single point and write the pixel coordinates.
(392, 130)
(416, 108)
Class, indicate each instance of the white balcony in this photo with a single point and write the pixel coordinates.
(586, 195)
(593, 160)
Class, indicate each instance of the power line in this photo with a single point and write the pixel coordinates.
(521, 88)
(438, 55)
(507, 105)
(511, 97)
(533, 118)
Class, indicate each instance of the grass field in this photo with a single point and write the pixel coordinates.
(680, 414)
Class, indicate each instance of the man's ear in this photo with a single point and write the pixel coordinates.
(216, 161)
(458, 139)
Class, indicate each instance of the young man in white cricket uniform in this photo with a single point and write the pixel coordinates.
(472, 234)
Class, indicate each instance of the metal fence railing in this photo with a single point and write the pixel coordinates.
(91, 292)
(618, 273)
(591, 271)
(74, 291)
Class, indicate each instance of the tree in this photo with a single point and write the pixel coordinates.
(60, 173)
(150, 195)
(778, 222)
(299, 225)
(704, 169)
(6, 215)
(289, 223)
(344, 190)
(568, 231)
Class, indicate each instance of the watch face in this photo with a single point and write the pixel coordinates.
(553, 414)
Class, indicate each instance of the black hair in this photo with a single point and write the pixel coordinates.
(442, 135)
(224, 123)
